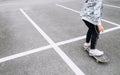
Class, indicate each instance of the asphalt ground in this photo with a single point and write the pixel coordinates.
(46, 38)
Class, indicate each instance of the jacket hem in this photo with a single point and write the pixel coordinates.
(89, 20)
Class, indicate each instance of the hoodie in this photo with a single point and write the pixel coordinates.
(92, 11)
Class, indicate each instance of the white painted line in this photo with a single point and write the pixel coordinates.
(71, 40)
(68, 8)
(24, 53)
(4, 59)
(79, 13)
(83, 37)
(110, 22)
(67, 60)
(111, 6)
(111, 29)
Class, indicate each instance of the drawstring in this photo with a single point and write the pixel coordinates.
(96, 30)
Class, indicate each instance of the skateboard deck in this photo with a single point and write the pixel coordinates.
(102, 59)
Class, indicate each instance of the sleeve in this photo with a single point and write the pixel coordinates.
(99, 21)
(98, 11)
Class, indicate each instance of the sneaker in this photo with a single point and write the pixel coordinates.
(95, 52)
(86, 46)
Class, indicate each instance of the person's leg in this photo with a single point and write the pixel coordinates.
(89, 32)
(94, 37)
(89, 35)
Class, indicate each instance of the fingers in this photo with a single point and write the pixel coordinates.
(101, 28)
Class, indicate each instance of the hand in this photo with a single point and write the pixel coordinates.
(100, 28)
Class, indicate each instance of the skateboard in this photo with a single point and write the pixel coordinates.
(102, 59)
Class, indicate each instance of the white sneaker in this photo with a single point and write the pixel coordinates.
(95, 52)
(86, 45)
